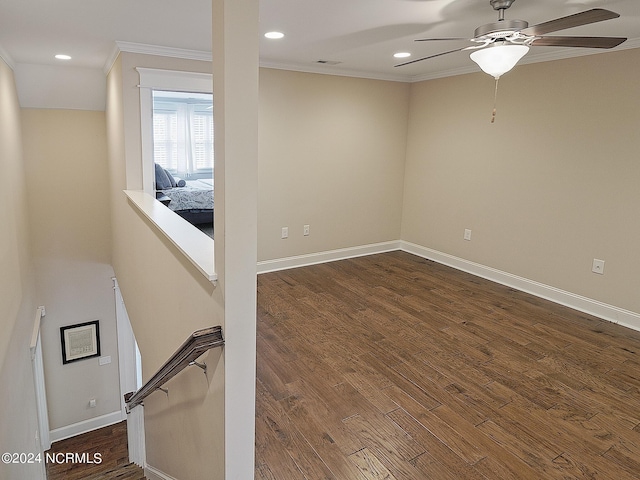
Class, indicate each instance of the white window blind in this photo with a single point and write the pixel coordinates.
(183, 132)
(165, 147)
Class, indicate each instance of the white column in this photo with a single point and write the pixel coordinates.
(235, 97)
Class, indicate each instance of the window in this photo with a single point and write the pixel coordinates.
(173, 88)
(183, 132)
(175, 91)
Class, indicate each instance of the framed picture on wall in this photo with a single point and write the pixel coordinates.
(80, 341)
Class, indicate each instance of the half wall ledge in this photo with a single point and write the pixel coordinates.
(195, 245)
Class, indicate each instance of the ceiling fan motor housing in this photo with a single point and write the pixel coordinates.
(501, 29)
(501, 4)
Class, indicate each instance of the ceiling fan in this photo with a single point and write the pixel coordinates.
(497, 47)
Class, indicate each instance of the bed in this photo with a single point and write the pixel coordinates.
(191, 199)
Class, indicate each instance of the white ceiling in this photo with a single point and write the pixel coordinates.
(360, 34)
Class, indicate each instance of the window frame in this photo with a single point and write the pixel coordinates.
(167, 80)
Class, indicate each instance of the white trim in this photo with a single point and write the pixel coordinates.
(145, 49)
(590, 306)
(175, 80)
(85, 426)
(195, 245)
(323, 69)
(37, 365)
(168, 80)
(126, 348)
(555, 54)
(128, 362)
(266, 266)
(136, 437)
(131, 47)
(161, 51)
(153, 473)
(4, 55)
(111, 59)
(146, 140)
(599, 309)
(35, 333)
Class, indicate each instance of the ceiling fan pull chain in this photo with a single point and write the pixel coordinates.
(495, 101)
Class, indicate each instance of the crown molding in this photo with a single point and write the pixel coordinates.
(577, 52)
(157, 50)
(161, 51)
(111, 59)
(333, 70)
(337, 71)
(472, 68)
(4, 55)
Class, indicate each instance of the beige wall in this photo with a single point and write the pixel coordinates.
(165, 296)
(69, 214)
(18, 417)
(331, 155)
(550, 186)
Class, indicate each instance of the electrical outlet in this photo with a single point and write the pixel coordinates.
(92, 403)
(467, 234)
(306, 230)
(285, 232)
(598, 266)
(104, 360)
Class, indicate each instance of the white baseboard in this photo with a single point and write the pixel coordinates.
(154, 474)
(599, 309)
(324, 257)
(602, 310)
(85, 426)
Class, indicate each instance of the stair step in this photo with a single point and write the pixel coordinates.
(130, 471)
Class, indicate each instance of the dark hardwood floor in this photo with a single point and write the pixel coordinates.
(391, 366)
(98, 455)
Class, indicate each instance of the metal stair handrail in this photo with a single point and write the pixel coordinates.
(198, 343)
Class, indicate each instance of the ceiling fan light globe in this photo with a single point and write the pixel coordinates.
(497, 60)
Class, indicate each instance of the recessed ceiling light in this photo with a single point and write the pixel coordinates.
(63, 57)
(274, 35)
(402, 55)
